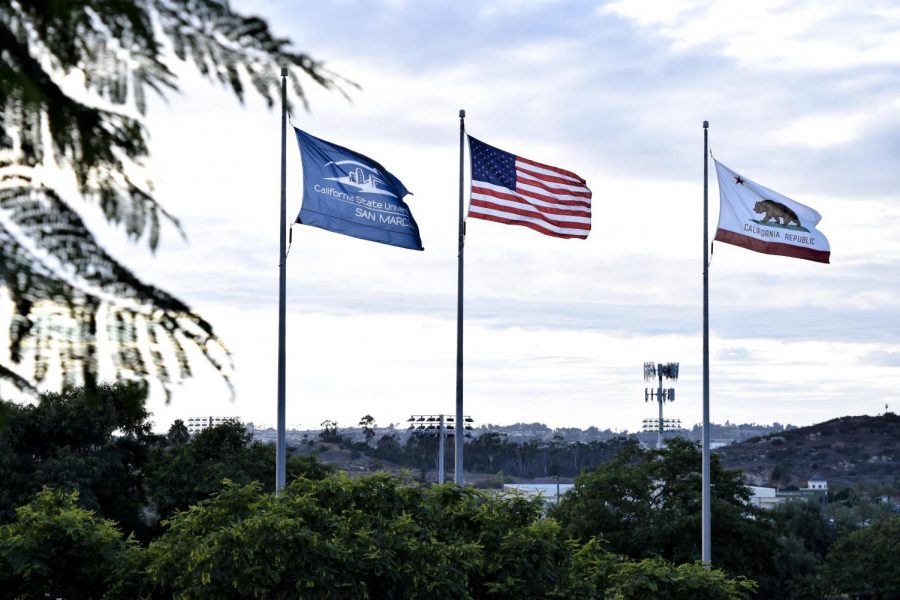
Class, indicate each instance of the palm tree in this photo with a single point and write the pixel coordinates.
(69, 296)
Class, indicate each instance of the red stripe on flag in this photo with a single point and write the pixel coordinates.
(528, 213)
(553, 199)
(528, 224)
(549, 178)
(549, 168)
(518, 197)
(554, 190)
(777, 248)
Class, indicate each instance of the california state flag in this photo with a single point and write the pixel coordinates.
(764, 221)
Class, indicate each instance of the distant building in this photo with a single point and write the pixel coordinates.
(817, 482)
(763, 497)
(816, 490)
(197, 424)
(546, 492)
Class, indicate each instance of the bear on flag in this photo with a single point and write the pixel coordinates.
(762, 220)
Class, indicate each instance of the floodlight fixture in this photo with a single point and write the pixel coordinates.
(437, 425)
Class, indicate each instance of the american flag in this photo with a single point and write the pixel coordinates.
(510, 189)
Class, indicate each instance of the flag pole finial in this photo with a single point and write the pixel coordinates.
(462, 113)
(284, 71)
(705, 124)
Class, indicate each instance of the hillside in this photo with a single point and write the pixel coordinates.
(845, 451)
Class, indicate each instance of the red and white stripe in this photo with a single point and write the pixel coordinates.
(547, 199)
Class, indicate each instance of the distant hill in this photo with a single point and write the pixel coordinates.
(845, 451)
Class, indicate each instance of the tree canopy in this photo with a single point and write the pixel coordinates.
(74, 81)
(866, 563)
(95, 443)
(100, 445)
(645, 504)
(57, 549)
(374, 537)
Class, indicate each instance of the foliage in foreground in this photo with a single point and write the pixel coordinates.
(866, 563)
(74, 81)
(56, 549)
(617, 536)
(336, 538)
(100, 444)
(646, 504)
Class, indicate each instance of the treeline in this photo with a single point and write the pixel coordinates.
(101, 445)
(550, 453)
(492, 453)
(94, 505)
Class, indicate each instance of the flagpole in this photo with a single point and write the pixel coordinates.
(706, 541)
(458, 459)
(280, 470)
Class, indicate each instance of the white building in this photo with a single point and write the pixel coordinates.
(198, 424)
(817, 482)
(765, 497)
(546, 492)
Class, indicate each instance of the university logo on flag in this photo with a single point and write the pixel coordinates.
(349, 193)
(759, 219)
(510, 189)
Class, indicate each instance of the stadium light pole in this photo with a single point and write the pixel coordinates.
(437, 425)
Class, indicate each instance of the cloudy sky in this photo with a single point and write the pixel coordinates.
(801, 97)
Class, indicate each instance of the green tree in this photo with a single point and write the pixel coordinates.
(95, 442)
(178, 434)
(182, 474)
(865, 563)
(329, 431)
(483, 450)
(795, 573)
(368, 426)
(660, 580)
(332, 538)
(806, 522)
(647, 503)
(378, 537)
(70, 297)
(56, 549)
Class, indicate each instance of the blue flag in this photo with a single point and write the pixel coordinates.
(346, 192)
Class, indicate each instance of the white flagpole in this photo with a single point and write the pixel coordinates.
(458, 462)
(280, 470)
(706, 528)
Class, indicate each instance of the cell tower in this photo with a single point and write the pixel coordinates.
(660, 425)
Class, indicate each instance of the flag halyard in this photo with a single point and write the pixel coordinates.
(517, 191)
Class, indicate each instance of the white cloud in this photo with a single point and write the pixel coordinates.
(776, 34)
(556, 331)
